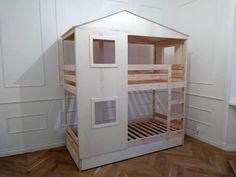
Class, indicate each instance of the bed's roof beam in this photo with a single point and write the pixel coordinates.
(69, 35)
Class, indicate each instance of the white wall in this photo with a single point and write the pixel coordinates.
(31, 95)
(209, 24)
(230, 139)
(31, 109)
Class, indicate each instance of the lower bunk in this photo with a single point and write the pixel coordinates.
(144, 136)
(130, 152)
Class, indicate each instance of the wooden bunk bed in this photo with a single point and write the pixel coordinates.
(143, 135)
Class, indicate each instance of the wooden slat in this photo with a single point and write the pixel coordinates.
(73, 136)
(177, 72)
(177, 67)
(73, 150)
(176, 117)
(147, 67)
(161, 120)
(146, 140)
(138, 77)
(132, 136)
(70, 88)
(71, 78)
(138, 131)
(176, 133)
(151, 128)
(144, 129)
(143, 39)
(72, 142)
(161, 115)
(132, 130)
(158, 126)
(177, 75)
(154, 86)
(155, 126)
(143, 87)
(69, 67)
(169, 42)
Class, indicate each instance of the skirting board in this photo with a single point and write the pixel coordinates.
(32, 148)
(130, 152)
(213, 142)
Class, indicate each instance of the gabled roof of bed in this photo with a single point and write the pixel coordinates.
(132, 24)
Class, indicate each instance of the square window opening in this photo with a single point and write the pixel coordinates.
(104, 112)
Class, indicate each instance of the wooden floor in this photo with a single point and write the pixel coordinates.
(194, 159)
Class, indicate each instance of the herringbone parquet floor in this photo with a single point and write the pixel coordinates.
(194, 159)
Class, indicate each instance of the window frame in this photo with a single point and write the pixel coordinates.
(101, 37)
(95, 100)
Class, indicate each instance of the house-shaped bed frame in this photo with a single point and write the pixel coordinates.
(99, 75)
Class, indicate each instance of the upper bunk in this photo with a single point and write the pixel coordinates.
(155, 77)
(154, 72)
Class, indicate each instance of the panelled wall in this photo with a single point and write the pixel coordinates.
(31, 94)
(210, 26)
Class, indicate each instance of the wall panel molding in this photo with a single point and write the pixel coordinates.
(27, 123)
(205, 96)
(31, 100)
(31, 148)
(43, 84)
(195, 119)
(200, 83)
(211, 81)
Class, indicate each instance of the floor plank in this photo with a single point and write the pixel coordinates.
(194, 159)
(233, 165)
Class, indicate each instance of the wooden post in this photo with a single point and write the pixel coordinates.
(158, 54)
(169, 101)
(65, 108)
(153, 104)
(184, 61)
(178, 57)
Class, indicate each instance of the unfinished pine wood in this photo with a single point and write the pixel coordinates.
(70, 78)
(154, 86)
(176, 117)
(184, 90)
(70, 88)
(143, 39)
(140, 80)
(146, 131)
(170, 42)
(73, 135)
(141, 77)
(70, 35)
(169, 99)
(73, 149)
(69, 67)
(177, 66)
(147, 67)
